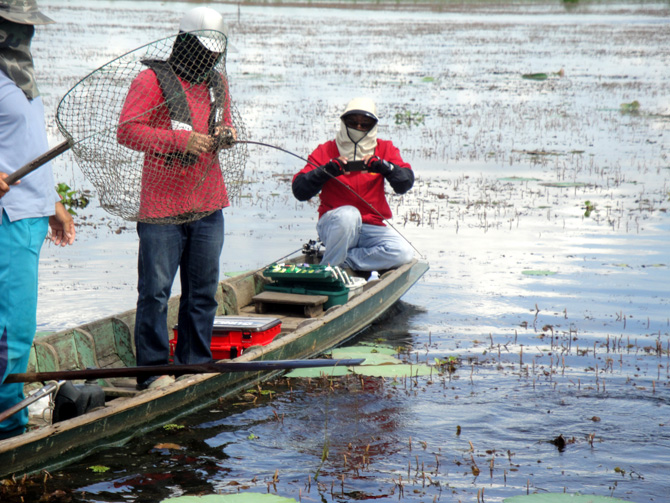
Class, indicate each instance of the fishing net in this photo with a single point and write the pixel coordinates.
(155, 130)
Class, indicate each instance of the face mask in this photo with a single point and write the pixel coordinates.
(355, 135)
(191, 60)
(15, 58)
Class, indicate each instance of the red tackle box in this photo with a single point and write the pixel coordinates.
(231, 335)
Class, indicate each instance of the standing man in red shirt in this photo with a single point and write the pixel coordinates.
(181, 177)
(353, 203)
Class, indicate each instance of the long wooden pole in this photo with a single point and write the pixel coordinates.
(177, 370)
(36, 163)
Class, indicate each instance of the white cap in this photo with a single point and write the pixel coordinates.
(208, 26)
(361, 106)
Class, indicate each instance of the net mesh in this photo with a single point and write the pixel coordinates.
(154, 130)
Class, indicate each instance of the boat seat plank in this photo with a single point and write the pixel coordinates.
(312, 304)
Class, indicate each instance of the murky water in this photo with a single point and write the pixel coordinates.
(560, 320)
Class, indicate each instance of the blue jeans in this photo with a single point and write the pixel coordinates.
(20, 245)
(363, 247)
(194, 248)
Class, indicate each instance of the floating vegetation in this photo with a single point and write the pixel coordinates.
(518, 179)
(630, 108)
(589, 208)
(98, 468)
(71, 198)
(409, 118)
(537, 272)
(449, 364)
(535, 76)
(379, 362)
(563, 185)
(543, 76)
(173, 427)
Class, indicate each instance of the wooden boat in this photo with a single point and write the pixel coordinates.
(108, 343)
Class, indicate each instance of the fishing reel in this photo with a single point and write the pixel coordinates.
(225, 139)
(313, 251)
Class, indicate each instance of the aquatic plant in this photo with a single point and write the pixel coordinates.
(72, 198)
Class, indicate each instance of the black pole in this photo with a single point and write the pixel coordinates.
(177, 370)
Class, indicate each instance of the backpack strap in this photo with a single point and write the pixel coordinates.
(176, 102)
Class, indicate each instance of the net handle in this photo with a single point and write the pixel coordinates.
(39, 161)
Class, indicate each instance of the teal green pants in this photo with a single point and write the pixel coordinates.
(20, 245)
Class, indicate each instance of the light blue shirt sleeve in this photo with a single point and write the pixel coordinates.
(23, 139)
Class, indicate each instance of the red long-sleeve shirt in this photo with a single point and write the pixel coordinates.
(369, 186)
(168, 186)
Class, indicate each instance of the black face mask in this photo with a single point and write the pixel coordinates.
(191, 60)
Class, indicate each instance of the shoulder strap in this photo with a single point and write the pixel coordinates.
(175, 100)
(173, 92)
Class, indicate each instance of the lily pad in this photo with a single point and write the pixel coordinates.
(357, 351)
(231, 498)
(382, 370)
(316, 372)
(535, 76)
(563, 184)
(535, 272)
(379, 362)
(561, 498)
(400, 370)
(518, 179)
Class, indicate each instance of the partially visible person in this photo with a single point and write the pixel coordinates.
(353, 203)
(4, 188)
(29, 207)
(181, 175)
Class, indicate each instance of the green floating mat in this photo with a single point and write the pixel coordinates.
(563, 185)
(518, 179)
(363, 349)
(398, 370)
(379, 362)
(562, 498)
(385, 370)
(231, 498)
(370, 358)
(317, 372)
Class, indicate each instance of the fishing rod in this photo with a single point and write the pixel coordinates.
(262, 144)
(32, 398)
(178, 370)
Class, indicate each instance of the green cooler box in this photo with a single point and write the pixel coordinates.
(309, 279)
